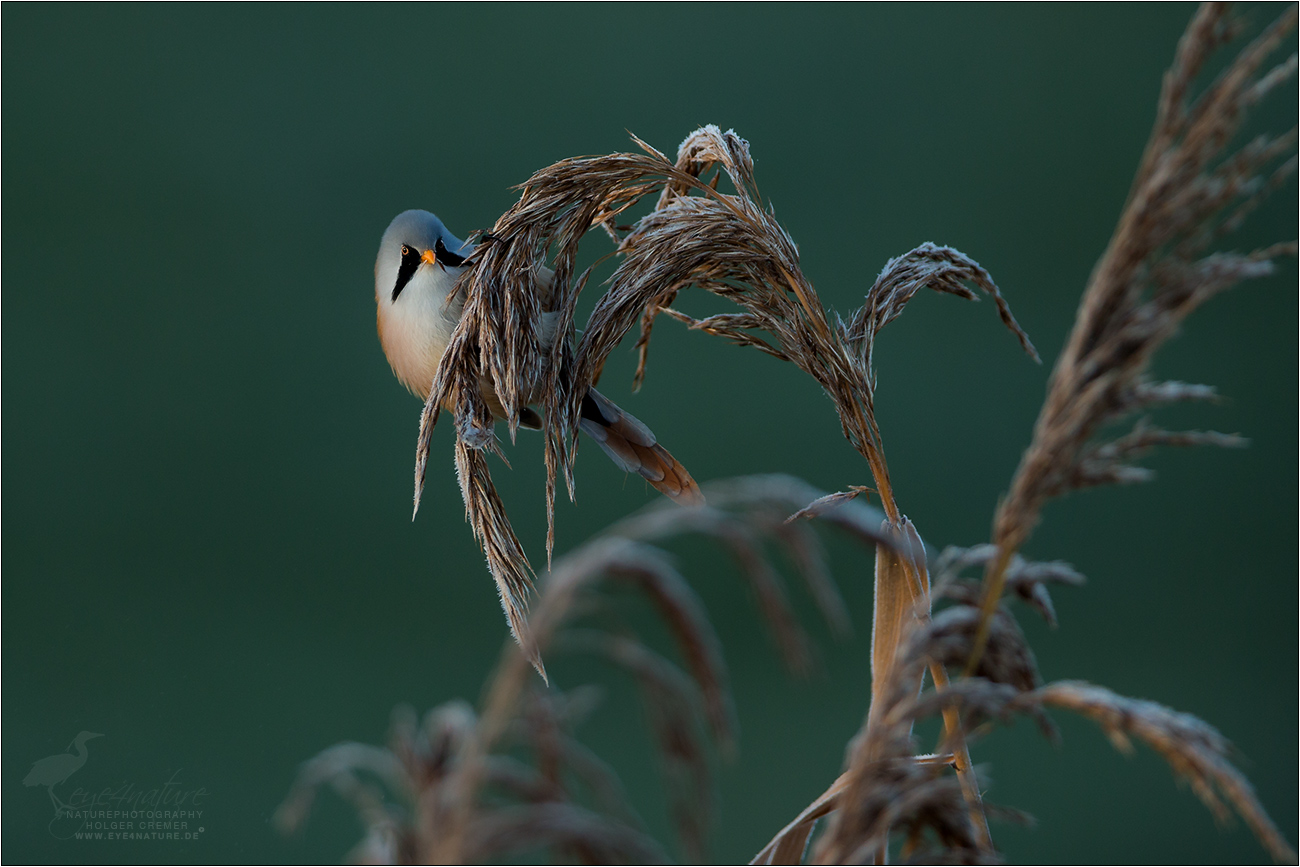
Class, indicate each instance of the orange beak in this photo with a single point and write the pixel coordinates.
(428, 256)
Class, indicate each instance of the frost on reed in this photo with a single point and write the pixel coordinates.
(457, 787)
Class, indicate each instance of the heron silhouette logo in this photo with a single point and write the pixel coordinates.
(52, 770)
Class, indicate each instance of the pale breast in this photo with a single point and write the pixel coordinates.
(416, 328)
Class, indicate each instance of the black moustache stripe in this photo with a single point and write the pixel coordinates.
(410, 262)
(445, 256)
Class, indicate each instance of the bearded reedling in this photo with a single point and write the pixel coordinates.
(418, 264)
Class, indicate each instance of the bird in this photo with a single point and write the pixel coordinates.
(52, 770)
(416, 269)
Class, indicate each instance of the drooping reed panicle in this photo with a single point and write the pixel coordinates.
(454, 790)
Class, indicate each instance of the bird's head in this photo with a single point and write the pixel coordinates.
(85, 736)
(416, 247)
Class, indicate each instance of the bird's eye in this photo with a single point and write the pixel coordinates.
(406, 251)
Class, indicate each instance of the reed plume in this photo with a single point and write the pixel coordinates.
(1189, 193)
(450, 790)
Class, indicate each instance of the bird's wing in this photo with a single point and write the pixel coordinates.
(546, 284)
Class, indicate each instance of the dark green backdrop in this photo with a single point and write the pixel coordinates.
(208, 554)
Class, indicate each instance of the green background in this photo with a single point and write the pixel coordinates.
(208, 554)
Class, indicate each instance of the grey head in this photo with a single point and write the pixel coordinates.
(414, 239)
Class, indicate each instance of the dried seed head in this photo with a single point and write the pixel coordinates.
(1187, 194)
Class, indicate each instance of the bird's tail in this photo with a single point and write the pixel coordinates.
(632, 446)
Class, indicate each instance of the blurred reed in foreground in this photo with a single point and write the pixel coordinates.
(465, 786)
